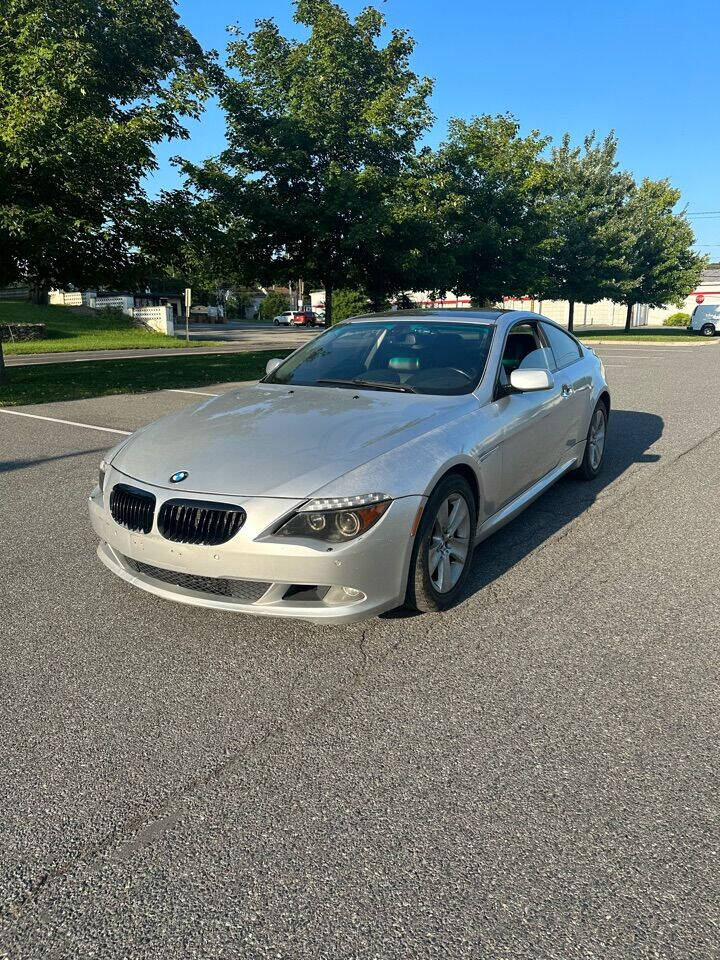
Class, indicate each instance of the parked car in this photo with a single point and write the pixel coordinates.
(705, 319)
(360, 473)
(284, 319)
(305, 318)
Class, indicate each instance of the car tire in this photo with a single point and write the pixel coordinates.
(708, 330)
(276, 322)
(595, 444)
(437, 574)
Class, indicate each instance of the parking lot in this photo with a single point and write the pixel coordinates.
(531, 775)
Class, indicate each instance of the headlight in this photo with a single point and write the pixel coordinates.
(101, 473)
(336, 520)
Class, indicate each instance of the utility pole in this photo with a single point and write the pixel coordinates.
(3, 374)
(188, 301)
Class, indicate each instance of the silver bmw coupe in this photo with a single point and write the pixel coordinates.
(360, 473)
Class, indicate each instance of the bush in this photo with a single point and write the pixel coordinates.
(348, 303)
(677, 320)
(273, 304)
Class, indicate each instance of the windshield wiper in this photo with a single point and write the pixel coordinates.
(373, 384)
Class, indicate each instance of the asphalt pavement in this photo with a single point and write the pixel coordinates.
(533, 774)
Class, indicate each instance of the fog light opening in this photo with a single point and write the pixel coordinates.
(344, 595)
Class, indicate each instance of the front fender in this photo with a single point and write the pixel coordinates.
(415, 468)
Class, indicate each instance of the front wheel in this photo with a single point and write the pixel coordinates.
(595, 444)
(708, 330)
(441, 557)
(276, 322)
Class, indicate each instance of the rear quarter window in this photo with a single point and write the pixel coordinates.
(565, 350)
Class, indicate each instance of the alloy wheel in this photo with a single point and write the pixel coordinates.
(449, 543)
(596, 439)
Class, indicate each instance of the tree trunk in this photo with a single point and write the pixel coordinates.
(3, 369)
(628, 317)
(328, 304)
(571, 314)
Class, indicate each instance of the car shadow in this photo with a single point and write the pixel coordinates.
(7, 465)
(630, 435)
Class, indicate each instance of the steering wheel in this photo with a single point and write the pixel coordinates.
(461, 372)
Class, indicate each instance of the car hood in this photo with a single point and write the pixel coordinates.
(275, 441)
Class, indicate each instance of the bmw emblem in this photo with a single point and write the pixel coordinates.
(177, 477)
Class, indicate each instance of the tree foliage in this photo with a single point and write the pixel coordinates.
(584, 208)
(322, 177)
(659, 265)
(274, 304)
(321, 133)
(349, 303)
(179, 237)
(488, 185)
(86, 91)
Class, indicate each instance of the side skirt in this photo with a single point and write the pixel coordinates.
(516, 506)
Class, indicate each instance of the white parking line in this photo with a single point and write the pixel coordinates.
(633, 356)
(70, 423)
(196, 393)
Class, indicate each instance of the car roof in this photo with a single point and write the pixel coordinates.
(420, 313)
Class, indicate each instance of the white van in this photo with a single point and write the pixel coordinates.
(705, 319)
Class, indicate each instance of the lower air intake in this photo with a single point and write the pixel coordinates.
(246, 590)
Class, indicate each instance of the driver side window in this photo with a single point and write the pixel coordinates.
(524, 350)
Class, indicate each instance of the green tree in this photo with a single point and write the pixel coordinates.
(349, 303)
(181, 237)
(321, 133)
(274, 303)
(87, 88)
(660, 266)
(489, 184)
(584, 210)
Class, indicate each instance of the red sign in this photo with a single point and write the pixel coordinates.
(699, 298)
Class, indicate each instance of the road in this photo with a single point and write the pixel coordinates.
(531, 775)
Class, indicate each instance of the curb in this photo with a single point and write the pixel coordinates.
(647, 343)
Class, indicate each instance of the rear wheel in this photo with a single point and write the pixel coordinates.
(595, 444)
(708, 330)
(443, 547)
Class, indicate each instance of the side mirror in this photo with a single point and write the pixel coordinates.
(525, 381)
(272, 365)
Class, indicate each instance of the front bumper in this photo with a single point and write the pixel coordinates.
(375, 565)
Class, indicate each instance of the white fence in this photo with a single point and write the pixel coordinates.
(157, 318)
(62, 298)
(118, 303)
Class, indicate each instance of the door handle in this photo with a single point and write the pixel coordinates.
(566, 390)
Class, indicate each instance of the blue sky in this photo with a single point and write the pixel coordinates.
(644, 68)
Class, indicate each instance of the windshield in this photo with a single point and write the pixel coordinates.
(433, 357)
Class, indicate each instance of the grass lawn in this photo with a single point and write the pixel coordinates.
(68, 329)
(643, 335)
(43, 383)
